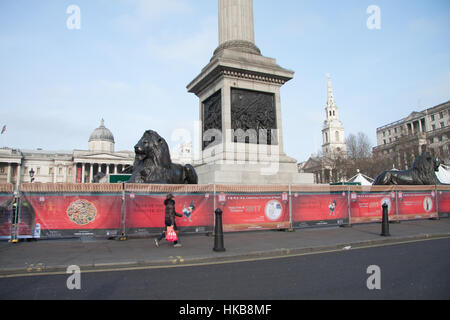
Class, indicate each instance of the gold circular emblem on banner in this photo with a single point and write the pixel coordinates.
(82, 212)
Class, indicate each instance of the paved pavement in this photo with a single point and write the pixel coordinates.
(56, 255)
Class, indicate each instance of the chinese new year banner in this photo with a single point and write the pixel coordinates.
(367, 207)
(416, 205)
(144, 213)
(243, 212)
(313, 209)
(444, 203)
(64, 215)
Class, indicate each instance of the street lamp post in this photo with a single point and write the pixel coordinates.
(31, 172)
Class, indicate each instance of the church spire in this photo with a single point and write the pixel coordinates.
(333, 129)
(330, 100)
(331, 108)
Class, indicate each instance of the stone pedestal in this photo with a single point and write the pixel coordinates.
(240, 108)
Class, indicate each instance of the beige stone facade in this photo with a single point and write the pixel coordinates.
(76, 166)
(405, 139)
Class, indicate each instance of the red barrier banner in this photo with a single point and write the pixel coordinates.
(144, 213)
(367, 207)
(444, 203)
(244, 212)
(6, 201)
(416, 204)
(315, 209)
(49, 215)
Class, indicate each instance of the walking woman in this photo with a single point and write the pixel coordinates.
(169, 219)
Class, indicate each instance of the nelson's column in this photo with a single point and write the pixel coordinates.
(240, 108)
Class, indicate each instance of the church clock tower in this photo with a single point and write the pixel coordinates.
(333, 129)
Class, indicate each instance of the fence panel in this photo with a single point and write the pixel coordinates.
(6, 209)
(70, 210)
(319, 206)
(253, 207)
(443, 194)
(144, 208)
(366, 203)
(416, 202)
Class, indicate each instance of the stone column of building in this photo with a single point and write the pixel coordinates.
(91, 172)
(236, 21)
(19, 169)
(8, 177)
(75, 172)
(83, 172)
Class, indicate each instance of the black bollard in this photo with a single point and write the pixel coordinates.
(218, 232)
(385, 221)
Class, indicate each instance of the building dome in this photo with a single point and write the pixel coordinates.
(102, 134)
(101, 139)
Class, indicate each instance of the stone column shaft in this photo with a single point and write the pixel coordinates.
(236, 21)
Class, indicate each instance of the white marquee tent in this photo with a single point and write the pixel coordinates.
(361, 178)
(443, 174)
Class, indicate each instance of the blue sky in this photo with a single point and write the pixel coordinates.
(131, 61)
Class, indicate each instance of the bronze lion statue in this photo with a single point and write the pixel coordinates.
(152, 163)
(422, 172)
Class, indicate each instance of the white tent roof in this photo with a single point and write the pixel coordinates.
(363, 179)
(443, 174)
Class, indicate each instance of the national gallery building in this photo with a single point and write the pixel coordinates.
(77, 166)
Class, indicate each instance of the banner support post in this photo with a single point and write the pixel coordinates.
(396, 203)
(123, 235)
(436, 199)
(15, 218)
(349, 225)
(291, 228)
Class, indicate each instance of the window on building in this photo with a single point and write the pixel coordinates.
(337, 136)
(384, 133)
(432, 117)
(38, 170)
(50, 170)
(433, 127)
(442, 124)
(441, 115)
(384, 141)
(395, 130)
(60, 171)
